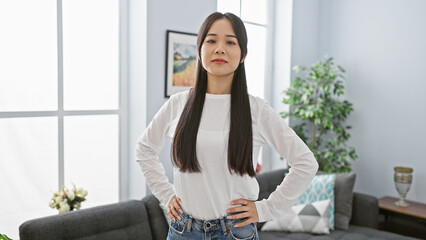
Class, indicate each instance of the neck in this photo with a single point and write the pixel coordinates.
(219, 84)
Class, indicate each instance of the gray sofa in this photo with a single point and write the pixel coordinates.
(136, 220)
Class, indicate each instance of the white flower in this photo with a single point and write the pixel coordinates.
(70, 195)
(64, 208)
(63, 198)
(58, 199)
(83, 193)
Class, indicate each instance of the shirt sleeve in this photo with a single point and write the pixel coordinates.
(274, 131)
(148, 146)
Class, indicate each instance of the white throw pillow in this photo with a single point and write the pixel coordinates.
(309, 217)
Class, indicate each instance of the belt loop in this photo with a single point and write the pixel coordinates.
(222, 223)
(189, 224)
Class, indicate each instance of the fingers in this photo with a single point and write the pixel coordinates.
(173, 214)
(247, 210)
(238, 209)
(174, 207)
(241, 201)
(242, 224)
(240, 215)
(178, 205)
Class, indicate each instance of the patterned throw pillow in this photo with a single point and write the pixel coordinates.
(309, 217)
(321, 188)
(343, 195)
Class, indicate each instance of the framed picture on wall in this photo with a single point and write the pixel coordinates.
(181, 61)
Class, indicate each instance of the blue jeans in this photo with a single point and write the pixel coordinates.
(222, 228)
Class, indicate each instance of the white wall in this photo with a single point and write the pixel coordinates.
(281, 70)
(381, 44)
(137, 44)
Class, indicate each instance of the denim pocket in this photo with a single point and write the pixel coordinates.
(247, 232)
(177, 226)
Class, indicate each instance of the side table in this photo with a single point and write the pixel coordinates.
(409, 221)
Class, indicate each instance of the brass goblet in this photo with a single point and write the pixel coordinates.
(403, 178)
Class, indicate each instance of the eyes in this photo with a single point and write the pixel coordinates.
(227, 42)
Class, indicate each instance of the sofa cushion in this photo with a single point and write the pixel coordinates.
(125, 220)
(353, 233)
(343, 191)
(343, 194)
(365, 210)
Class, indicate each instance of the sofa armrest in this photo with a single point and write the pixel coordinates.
(111, 221)
(157, 220)
(365, 210)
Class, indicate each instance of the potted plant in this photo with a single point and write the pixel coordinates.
(4, 237)
(320, 114)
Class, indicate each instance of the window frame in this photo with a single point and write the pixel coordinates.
(121, 112)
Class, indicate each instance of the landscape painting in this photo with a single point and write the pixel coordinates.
(181, 61)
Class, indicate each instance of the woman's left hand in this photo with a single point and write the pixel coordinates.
(248, 210)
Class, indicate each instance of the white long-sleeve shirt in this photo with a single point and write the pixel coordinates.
(207, 195)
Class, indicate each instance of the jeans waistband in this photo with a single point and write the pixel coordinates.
(209, 225)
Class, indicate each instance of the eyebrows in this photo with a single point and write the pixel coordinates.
(228, 35)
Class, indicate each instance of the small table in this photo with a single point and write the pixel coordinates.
(410, 221)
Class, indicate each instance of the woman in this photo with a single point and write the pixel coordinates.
(217, 130)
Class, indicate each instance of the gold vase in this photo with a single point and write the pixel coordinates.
(403, 178)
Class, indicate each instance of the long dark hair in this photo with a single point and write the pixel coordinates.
(240, 144)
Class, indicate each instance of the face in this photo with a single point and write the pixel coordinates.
(220, 52)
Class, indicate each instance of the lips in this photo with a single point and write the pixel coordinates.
(219, 61)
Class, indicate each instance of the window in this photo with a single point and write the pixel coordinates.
(255, 18)
(62, 109)
(254, 14)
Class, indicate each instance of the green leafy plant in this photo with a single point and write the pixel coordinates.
(4, 237)
(320, 114)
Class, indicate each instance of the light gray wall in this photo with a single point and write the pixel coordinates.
(183, 16)
(381, 44)
(306, 32)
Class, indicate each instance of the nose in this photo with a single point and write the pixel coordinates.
(220, 49)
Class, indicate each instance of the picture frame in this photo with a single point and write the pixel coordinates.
(181, 61)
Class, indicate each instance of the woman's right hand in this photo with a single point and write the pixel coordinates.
(173, 207)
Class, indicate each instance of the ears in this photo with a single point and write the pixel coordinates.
(242, 60)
